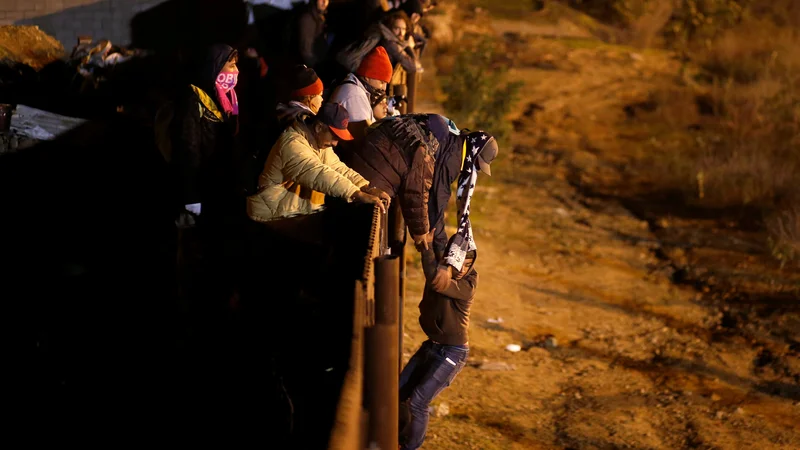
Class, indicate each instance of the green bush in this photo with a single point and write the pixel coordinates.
(478, 94)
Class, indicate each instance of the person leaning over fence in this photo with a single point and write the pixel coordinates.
(302, 169)
(356, 91)
(444, 317)
(416, 157)
(397, 157)
(304, 98)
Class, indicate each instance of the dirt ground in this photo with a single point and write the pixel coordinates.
(642, 324)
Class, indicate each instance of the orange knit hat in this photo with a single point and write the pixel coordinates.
(305, 82)
(376, 65)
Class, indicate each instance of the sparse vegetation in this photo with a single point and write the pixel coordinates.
(653, 289)
(757, 69)
(479, 96)
(784, 241)
(744, 107)
(730, 130)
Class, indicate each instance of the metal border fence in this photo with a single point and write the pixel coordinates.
(367, 412)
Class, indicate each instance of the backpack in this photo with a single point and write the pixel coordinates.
(331, 87)
(351, 56)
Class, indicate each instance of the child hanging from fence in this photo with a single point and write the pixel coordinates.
(444, 317)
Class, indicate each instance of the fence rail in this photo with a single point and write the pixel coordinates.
(367, 412)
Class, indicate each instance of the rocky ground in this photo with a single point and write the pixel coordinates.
(642, 324)
(28, 45)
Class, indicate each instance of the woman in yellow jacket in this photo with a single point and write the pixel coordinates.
(302, 169)
(293, 260)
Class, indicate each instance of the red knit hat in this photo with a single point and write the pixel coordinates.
(376, 65)
(305, 82)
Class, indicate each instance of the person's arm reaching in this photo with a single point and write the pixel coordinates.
(429, 263)
(415, 192)
(303, 166)
(440, 277)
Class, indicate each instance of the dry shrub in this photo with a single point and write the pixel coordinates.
(757, 161)
(747, 153)
(784, 230)
(753, 52)
(648, 25)
(785, 13)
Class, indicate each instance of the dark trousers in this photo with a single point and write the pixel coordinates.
(432, 368)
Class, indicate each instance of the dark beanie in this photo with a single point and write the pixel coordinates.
(305, 82)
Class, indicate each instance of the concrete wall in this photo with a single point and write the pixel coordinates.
(68, 19)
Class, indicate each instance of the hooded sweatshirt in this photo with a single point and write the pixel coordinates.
(203, 159)
(444, 315)
(446, 170)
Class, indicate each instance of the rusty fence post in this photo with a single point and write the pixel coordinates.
(411, 95)
(381, 375)
(397, 242)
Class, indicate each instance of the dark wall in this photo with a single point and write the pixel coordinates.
(68, 19)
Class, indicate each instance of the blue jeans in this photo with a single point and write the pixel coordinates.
(429, 371)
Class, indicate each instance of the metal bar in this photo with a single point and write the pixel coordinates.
(411, 82)
(386, 246)
(397, 241)
(401, 303)
(373, 251)
(381, 376)
(348, 425)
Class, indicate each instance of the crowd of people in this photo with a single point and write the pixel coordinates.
(246, 180)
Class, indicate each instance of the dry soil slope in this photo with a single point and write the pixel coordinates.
(635, 365)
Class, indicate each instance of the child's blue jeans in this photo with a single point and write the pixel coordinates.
(432, 368)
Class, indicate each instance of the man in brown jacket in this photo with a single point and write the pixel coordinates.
(416, 158)
(444, 317)
(397, 157)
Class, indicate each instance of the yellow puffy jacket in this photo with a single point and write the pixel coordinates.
(297, 176)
